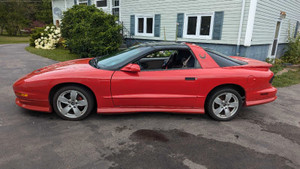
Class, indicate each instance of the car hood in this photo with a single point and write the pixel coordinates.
(72, 65)
(78, 67)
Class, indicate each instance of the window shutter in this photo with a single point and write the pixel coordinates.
(89, 2)
(157, 25)
(75, 2)
(218, 25)
(296, 30)
(132, 24)
(180, 22)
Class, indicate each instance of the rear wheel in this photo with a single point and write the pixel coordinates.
(224, 104)
(73, 102)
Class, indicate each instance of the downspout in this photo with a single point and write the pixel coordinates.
(65, 5)
(240, 29)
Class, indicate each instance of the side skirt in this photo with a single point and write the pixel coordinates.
(117, 110)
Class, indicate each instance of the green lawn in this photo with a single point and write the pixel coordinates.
(58, 54)
(13, 39)
(276, 68)
(287, 79)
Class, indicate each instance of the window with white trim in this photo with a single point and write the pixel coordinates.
(83, 2)
(198, 26)
(144, 25)
(116, 8)
(101, 3)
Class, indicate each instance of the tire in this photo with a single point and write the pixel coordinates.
(224, 104)
(73, 102)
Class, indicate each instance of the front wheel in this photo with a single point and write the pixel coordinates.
(73, 102)
(224, 104)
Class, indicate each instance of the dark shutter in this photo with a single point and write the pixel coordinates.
(75, 2)
(218, 25)
(89, 2)
(157, 25)
(180, 22)
(296, 30)
(132, 24)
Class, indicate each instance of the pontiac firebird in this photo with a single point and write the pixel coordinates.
(151, 77)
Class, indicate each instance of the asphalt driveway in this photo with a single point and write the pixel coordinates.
(266, 136)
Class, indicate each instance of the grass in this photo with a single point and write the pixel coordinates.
(287, 79)
(4, 39)
(58, 54)
(276, 68)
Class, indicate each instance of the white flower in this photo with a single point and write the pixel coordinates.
(42, 34)
(52, 27)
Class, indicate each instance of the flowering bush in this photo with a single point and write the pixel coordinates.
(45, 38)
(48, 39)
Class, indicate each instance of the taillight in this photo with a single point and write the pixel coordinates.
(271, 80)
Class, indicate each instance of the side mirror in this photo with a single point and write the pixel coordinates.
(134, 68)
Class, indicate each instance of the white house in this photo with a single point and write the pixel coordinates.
(250, 28)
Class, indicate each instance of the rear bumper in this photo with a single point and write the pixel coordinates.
(261, 96)
(35, 105)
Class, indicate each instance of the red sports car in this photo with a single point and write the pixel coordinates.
(152, 77)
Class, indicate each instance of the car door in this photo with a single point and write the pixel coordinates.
(169, 88)
(156, 88)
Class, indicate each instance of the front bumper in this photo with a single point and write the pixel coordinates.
(261, 96)
(35, 105)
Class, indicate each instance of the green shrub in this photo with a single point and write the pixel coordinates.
(90, 32)
(36, 33)
(277, 64)
(292, 55)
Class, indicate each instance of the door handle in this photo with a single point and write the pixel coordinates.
(190, 78)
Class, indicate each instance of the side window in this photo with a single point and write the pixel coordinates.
(101, 3)
(221, 61)
(168, 59)
(144, 25)
(161, 54)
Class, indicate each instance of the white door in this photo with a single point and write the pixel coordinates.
(276, 39)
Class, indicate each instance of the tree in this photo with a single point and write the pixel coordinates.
(90, 32)
(16, 15)
(14, 18)
(44, 11)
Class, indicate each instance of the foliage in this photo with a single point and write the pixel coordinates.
(48, 38)
(44, 12)
(292, 55)
(287, 79)
(58, 54)
(13, 17)
(90, 32)
(36, 33)
(16, 16)
(277, 64)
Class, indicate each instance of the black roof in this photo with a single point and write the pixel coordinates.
(164, 45)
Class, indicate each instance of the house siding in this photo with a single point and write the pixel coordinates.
(231, 8)
(267, 14)
(60, 4)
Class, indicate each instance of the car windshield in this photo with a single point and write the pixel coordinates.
(117, 60)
